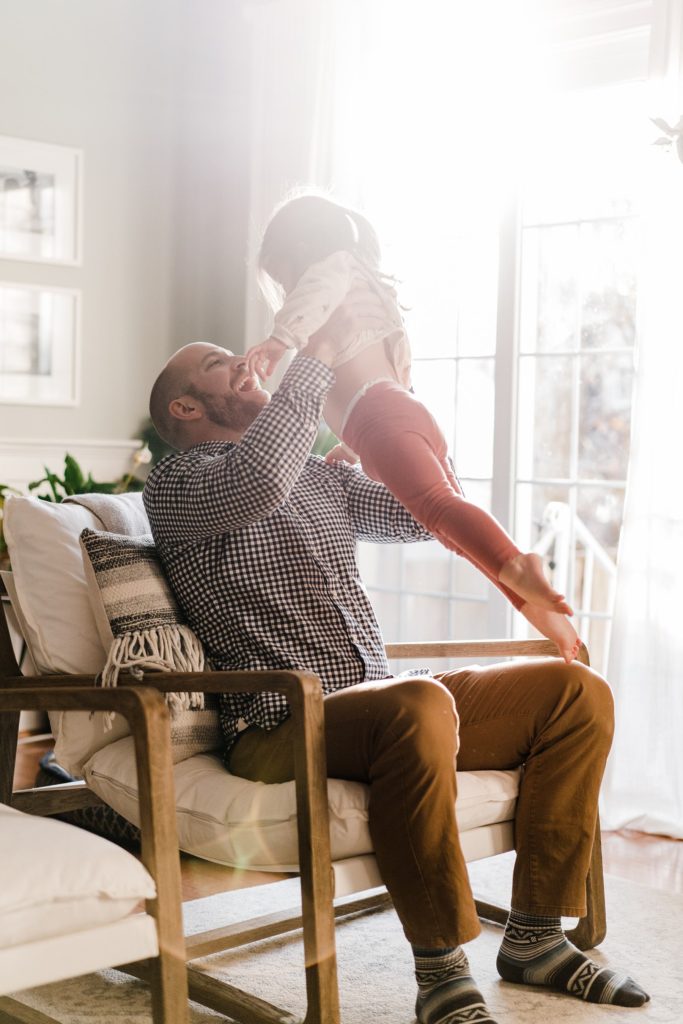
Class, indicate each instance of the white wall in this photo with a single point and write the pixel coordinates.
(152, 92)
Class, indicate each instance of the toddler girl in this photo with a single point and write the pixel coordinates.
(314, 250)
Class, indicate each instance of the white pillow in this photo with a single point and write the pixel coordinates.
(54, 605)
(60, 879)
(55, 612)
(233, 821)
(42, 537)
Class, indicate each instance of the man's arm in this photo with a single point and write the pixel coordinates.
(375, 513)
(200, 496)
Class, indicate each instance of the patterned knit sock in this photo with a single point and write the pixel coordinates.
(535, 951)
(446, 991)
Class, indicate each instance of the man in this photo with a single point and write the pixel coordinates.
(258, 542)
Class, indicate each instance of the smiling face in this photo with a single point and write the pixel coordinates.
(220, 399)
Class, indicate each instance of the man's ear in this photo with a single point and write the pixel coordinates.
(186, 408)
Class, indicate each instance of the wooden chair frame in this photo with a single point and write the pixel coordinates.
(317, 916)
(148, 717)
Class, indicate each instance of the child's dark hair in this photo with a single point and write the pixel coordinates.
(306, 229)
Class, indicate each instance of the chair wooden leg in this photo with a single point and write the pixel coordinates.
(149, 724)
(491, 912)
(168, 984)
(14, 1012)
(591, 929)
(317, 878)
(9, 733)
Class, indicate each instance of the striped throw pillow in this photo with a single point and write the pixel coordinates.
(142, 629)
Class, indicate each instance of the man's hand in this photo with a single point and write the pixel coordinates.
(361, 310)
(340, 453)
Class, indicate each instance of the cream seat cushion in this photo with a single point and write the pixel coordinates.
(59, 879)
(233, 821)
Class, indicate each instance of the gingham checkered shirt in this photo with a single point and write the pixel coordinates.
(258, 543)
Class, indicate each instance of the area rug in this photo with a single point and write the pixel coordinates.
(375, 969)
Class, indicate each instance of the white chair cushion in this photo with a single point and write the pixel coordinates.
(246, 824)
(59, 879)
(55, 613)
(54, 606)
(46, 561)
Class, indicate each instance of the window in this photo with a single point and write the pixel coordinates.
(556, 383)
(575, 355)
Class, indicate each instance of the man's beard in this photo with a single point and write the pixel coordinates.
(228, 411)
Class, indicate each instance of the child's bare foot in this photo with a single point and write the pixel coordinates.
(524, 574)
(555, 627)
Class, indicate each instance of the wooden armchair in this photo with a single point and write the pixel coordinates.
(55, 614)
(318, 910)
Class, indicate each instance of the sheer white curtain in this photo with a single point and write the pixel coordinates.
(644, 782)
(292, 75)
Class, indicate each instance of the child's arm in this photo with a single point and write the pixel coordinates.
(359, 308)
(319, 291)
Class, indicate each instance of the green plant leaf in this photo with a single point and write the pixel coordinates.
(75, 482)
(73, 475)
(55, 483)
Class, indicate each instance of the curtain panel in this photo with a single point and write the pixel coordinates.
(643, 786)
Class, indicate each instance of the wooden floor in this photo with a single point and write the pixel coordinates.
(656, 861)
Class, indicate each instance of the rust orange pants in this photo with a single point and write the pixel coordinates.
(400, 737)
(400, 444)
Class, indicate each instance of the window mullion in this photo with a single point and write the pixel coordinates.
(505, 383)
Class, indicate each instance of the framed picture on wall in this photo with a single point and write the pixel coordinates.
(39, 344)
(40, 202)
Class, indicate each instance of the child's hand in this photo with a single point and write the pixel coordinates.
(340, 453)
(262, 359)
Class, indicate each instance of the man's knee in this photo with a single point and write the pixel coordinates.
(591, 695)
(422, 711)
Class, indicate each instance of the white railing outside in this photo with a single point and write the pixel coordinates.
(571, 550)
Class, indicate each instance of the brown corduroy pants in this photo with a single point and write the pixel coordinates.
(400, 737)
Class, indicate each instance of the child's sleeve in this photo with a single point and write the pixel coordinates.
(319, 291)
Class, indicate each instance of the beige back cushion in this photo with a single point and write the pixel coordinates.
(55, 612)
(55, 608)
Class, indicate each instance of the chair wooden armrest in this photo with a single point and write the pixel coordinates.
(479, 649)
(147, 714)
(304, 694)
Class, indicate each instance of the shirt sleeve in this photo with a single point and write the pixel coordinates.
(319, 291)
(197, 495)
(375, 513)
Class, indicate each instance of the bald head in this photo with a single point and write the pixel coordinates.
(171, 383)
(204, 393)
